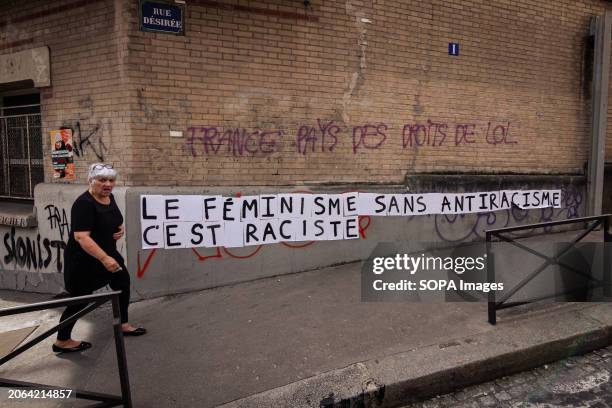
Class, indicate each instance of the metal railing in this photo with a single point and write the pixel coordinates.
(595, 221)
(96, 300)
(21, 155)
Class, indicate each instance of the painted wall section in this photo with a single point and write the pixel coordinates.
(32, 259)
(158, 271)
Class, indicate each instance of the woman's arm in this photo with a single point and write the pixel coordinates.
(117, 235)
(93, 249)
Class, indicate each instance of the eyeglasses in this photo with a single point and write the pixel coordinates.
(105, 179)
(102, 166)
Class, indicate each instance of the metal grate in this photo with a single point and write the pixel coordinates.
(21, 157)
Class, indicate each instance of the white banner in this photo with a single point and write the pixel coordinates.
(191, 221)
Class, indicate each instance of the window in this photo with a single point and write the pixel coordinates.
(21, 146)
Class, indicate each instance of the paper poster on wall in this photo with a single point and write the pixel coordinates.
(61, 154)
(152, 234)
(294, 205)
(371, 204)
(233, 236)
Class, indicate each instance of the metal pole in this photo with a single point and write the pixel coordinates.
(6, 160)
(491, 307)
(50, 304)
(601, 27)
(38, 339)
(121, 357)
(607, 259)
(27, 119)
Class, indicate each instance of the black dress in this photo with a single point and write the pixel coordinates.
(83, 273)
(82, 270)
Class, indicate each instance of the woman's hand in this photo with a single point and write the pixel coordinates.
(117, 235)
(89, 245)
(111, 264)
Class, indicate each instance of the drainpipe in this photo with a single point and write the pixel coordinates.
(601, 29)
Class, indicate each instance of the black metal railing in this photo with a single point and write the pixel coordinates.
(96, 300)
(591, 223)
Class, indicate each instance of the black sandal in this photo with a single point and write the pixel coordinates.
(84, 345)
(139, 331)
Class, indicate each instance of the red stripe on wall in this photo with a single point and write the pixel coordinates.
(48, 12)
(16, 43)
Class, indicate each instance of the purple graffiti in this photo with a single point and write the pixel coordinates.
(465, 133)
(431, 134)
(322, 138)
(499, 135)
(369, 136)
(434, 133)
(231, 142)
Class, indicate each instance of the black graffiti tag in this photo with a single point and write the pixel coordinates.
(57, 219)
(83, 142)
(33, 253)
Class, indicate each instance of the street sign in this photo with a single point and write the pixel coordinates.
(453, 49)
(162, 16)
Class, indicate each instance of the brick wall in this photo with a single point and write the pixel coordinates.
(364, 71)
(87, 42)
(270, 93)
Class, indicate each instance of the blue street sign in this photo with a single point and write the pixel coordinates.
(453, 49)
(162, 16)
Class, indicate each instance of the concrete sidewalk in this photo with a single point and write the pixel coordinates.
(304, 340)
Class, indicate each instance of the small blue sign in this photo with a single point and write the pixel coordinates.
(162, 17)
(453, 49)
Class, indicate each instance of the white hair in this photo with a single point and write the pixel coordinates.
(100, 170)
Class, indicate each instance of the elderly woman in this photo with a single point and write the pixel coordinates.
(91, 258)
